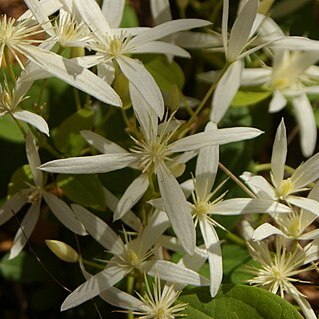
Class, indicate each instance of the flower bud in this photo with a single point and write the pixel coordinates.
(63, 251)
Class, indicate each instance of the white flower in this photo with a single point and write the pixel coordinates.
(114, 45)
(34, 195)
(134, 254)
(9, 104)
(154, 153)
(284, 189)
(277, 271)
(16, 36)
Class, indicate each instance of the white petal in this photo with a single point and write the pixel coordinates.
(171, 272)
(34, 119)
(101, 143)
(216, 137)
(259, 185)
(160, 11)
(225, 25)
(12, 206)
(167, 28)
(161, 47)
(33, 159)
(196, 40)
(130, 218)
(310, 235)
(229, 83)
(64, 213)
(106, 72)
(49, 6)
(99, 230)
(143, 82)
(177, 208)
(89, 164)
(206, 167)
(113, 11)
(236, 206)
(25, 230)
(296, 43)
(73, 74)
(266, 230)
(94, 286)
(240, 31)
(94, 18)
(214, 256)
(277, 102)
(305, 203)
(255, 76)
(307, 124)
(312, 251)
(306, 173)
(132, 195)
(279, 154)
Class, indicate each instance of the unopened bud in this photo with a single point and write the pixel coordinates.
(63, 251)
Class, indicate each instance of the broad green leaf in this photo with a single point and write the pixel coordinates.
(233, 256)
(240, 275)
(68, 138)
(9, 130)
(237, 301)
(24, 268)
(85, 190)
(246, 98)
(166, 74)
(130, 18)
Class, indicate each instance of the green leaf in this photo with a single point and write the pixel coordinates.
(237, 301)
(85, 190)
(9, 130)
(68, 138)
(24, 268)
(20, 179)
(246, 98)
(166, 74)
(233, 256)
(130, 18)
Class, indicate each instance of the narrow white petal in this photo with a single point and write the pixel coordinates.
(306, 173)
(12, 206)
(106, 72)
(266, 230)
(49, 6)
(160, 47)
(196, 40)
(33, 159)
(305, 203)
(94, 18)
(295, 43)
(310, 235)
(167, 28)
(206, 167)
(177, 208)
(277, 102)
(312, 251)
(101, 143)
(99, 230)
(94, 286)
(216, 137)
(237, 206)
(145, 115)
(259, 185)
(143, 82)
(160, 11)
(64, 213)
(132, 195)
(240, 31)
(26, 228)
(214, 256)
(89, 164)
(31, 118)
(113, 11)
(307, 124)
(73, 74)
(130, 218)
(229, 83)
(255, 76)
(279, 154)
(171, 272)
(39, 13)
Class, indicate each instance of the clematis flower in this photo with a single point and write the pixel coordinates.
(135, 254)
(154, 153)
(277, 271)
(292, 225)
(114, 46)
(16, 36)
(284, 189)
(34, 195)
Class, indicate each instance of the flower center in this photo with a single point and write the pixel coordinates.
(285, 188)
(200, 209)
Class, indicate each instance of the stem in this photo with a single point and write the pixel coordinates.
(130, 289)
(9, 65)
(44, 83)
(235, 239)
(93, 264)
(236, 180)
(24, 133)
(77, 99)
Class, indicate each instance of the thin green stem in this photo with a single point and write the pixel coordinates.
(77, 99)
(236, 180)
(24, 133)
(235, 239)
(130, 288)
(93, 264)
(9, 65)
(43, 86)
